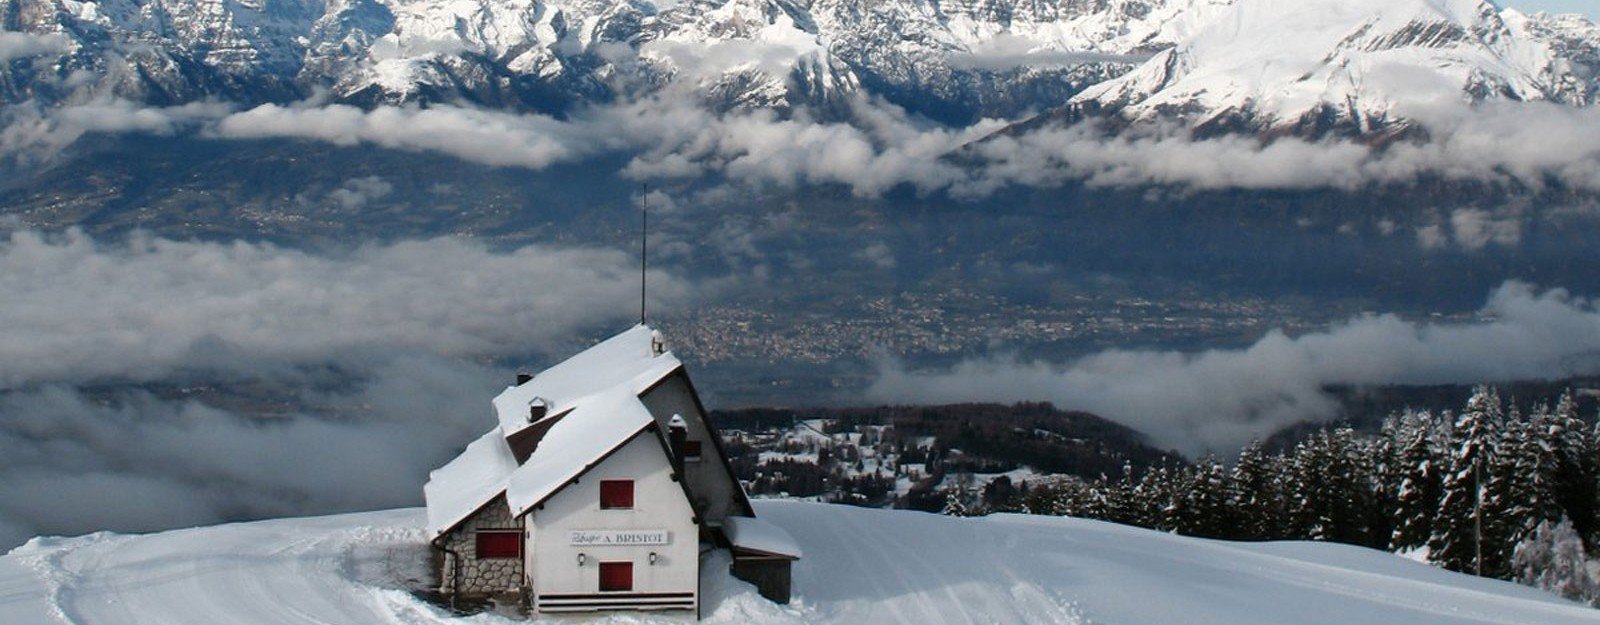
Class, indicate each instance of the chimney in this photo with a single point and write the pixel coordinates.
(537, 408)
(524, 378)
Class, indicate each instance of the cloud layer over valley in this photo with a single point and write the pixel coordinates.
(881, 147)
(152, 383)
(1217, 400)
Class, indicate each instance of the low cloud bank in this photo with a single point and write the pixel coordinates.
(881, 146)
(1217, 400)
(151, 383)
(76, 463)
(18, 45)
(147, 308)
(479, 136)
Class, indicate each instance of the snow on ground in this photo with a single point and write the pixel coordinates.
(861, 566)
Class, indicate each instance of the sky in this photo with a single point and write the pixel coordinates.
(1590, 8)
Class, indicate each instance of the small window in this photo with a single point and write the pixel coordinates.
(691, 450)
(616, 576)
(616, 494)
(493, 544)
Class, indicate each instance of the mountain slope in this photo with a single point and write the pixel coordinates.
(550, 55)
(1309, 68)
(861, 566)
(1358, 66)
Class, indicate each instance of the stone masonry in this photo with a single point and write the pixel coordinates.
(488, 577)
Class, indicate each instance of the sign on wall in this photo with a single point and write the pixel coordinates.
(606, 538)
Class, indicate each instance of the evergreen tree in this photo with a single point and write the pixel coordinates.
(1206, 506)
(953, 505)
(1454, 542)
(1150, 498)
(1301, 485)
(1535, 470)
(1257, 484)
(1505, 512)
(1552, 557)
(1576, 467)
(1119, 498)
(1417, 497)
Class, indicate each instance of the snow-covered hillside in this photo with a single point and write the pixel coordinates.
(861, 566)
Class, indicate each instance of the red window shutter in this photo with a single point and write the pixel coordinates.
(616, 576)
(499, 544)
(616, 494)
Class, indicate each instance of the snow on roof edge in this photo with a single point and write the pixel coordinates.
(457, 489)
(760, 535)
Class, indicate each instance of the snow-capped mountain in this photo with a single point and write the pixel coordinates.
(950, 59)
(1356, 66)
(1311, 65)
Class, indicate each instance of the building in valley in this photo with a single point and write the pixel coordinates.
(603, 487)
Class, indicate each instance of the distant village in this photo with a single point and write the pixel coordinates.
(987, 455)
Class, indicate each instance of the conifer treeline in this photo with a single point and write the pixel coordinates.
(1429, 482)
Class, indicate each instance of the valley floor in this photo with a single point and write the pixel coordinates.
(861, 567)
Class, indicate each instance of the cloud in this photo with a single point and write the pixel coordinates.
(773, 50)
(879, 147)
(1007, 51)
(356, 193)
(145, 308)
(1472, 229)
(882, 147)
(31, 134)
(150, 383)
(18, 45)
(137, 462)
(480, 136)
(878, 255)
(1216, 400)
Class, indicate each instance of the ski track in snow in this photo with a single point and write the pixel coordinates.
(861, 567)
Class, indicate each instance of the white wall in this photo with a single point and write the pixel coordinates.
(708, 479)
(659, 504)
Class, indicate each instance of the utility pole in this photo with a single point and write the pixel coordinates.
(1477, 516)
(644, 250)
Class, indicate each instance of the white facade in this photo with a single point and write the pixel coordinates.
(566, 576)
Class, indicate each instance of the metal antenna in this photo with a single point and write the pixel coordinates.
(644, 248)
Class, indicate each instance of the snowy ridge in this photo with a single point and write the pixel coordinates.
(861, 566)
(1357, 65)
(1313, 66)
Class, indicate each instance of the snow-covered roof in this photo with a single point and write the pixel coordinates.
(461, 486)
(575, 443)
(754, 534)
(625, 363)
(592, 406)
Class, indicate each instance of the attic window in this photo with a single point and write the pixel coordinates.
(616, 494)
(492, 544)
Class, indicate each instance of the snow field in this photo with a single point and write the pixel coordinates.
(861, 566)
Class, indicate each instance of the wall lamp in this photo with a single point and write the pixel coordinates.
(581, 559)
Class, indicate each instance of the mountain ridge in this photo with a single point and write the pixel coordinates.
(1249, 65)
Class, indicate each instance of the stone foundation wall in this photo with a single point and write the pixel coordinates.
(487, 577)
